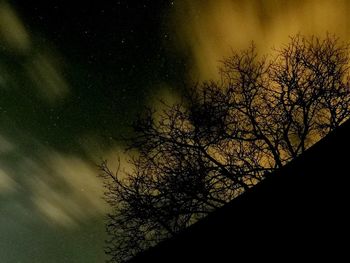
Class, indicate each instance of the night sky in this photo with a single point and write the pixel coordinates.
(113, 55)
(73, 77)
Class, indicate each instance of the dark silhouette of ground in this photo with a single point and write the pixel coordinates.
(298, 213)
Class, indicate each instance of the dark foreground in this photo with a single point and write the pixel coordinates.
(299, 213)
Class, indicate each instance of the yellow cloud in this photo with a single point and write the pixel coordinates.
(7, 184)
(65, 189)
(47, 77)
(43, 68)
(5, 145)
(210, 29)
(12, 30)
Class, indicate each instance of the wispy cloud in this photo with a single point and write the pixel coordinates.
(210, 29)
(42, 66)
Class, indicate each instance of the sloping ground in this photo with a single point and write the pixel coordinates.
(298, 213)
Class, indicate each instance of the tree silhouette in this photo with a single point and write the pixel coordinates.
(223, 137)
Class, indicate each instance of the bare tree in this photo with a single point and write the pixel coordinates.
(223, 138)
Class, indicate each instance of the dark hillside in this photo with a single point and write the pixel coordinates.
(300, 212)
